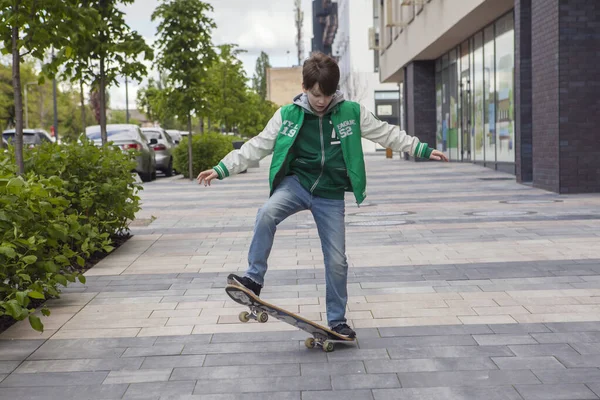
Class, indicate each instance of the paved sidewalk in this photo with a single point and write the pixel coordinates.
(463, 283)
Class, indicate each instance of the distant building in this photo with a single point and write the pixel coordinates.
(325, 24)
(283, 84)
(359, 77)
(507, 84)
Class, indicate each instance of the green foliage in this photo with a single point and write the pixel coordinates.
(259, 80)
(207, 150)
(185, 53)
(63, 210)
(256, 115)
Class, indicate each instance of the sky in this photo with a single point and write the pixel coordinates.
(254, 25)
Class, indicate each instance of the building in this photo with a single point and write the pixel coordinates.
(508, 84)
(359, 78)
(283, 84)
(325, 23)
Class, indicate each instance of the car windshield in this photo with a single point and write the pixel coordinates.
(28, 137)
(152, 134)
(95, 135)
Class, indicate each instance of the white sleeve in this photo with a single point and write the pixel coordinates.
(387, 135)
(253, 150)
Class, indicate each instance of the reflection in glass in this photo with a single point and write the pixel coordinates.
(478, 97)
(504, 89)
(490, 95)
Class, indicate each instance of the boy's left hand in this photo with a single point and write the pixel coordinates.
(438, 156)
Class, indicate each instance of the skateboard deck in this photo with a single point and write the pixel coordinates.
(260, 310)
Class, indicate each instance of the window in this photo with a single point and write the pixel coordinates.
(505, 51)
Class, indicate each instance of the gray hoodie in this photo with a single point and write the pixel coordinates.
(302, 101)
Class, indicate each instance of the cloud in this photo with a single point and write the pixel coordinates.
(254, 25)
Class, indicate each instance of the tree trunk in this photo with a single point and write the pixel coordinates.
(16, 79)
(190, 166)
(102, 93)
(82, 98)
(201, 125)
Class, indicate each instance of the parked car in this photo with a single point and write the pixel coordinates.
(175, 135)
(163, 149)
(31, 137)
(129, 138)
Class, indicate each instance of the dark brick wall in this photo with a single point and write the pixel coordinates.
(420, 100)
(545, 99)
(579, 96)
(523, 77)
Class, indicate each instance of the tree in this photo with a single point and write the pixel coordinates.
(107, 50)
(259, 80)
(186, 53)
(257, 114)
(31, 28)
(227, 87)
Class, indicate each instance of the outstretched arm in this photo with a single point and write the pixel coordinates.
(391, 136)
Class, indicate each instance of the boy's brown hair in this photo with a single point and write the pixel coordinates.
(321, 69)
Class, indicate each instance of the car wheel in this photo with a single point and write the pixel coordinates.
(145, 177)
(169, 170)
(153, 174)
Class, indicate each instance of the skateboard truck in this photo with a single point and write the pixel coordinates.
(255, 314)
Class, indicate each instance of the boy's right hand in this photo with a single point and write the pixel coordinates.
(207, 176)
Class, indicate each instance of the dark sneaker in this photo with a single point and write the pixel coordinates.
(344, 330)
(245, 282)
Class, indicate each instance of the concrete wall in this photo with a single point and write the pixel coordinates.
(283, 84)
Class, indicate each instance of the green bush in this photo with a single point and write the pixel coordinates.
(207, 151)
(70, 202)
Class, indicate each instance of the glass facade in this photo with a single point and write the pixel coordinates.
(475, 98)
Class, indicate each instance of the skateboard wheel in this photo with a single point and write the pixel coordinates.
(244, 316)
(262, 317)
(310, 343)
(328, 346)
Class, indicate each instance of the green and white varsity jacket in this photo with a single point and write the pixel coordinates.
(344, 121)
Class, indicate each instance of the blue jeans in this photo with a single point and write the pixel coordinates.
(289, 198)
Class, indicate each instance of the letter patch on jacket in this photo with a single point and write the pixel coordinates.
(289, 128)
(345, 128)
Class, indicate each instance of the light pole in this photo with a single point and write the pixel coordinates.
(27, 105)
(126, 100)
(55, 104)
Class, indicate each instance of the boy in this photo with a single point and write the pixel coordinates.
(317, 157)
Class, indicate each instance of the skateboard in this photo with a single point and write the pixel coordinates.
(260, 311)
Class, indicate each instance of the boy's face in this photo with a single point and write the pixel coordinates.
(317, 100)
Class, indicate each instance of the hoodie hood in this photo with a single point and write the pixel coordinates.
(302, 101)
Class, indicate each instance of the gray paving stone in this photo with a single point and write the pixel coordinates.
(595, 387)
(591, 326)
(519, 328)
(567, 337)
(18, 350)
(466, 378)
(253, 337)
(542, 362)
(88, 392)
(178, 361)
(54, 379)
(503, 340)
(364, 381)
(262, 359)
(338, 395)
(97, 364)
(6, 367)
(227, 372)
(390, 342)
(552, 349)
(571, 375)
(189, 339)
(358, 354)
(333, 368)
(269, 384)
(158, 350)
(75, 351)
(449, 351)
(2, 376)
(449, 393)
(235, 348)
(555, 392)
(435, 330)
(591, 361)
(586, 348)
(429, 364)
(242, 396)
(167, 390)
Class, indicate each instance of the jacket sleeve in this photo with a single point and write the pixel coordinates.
(391, 136)
(253, 150)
